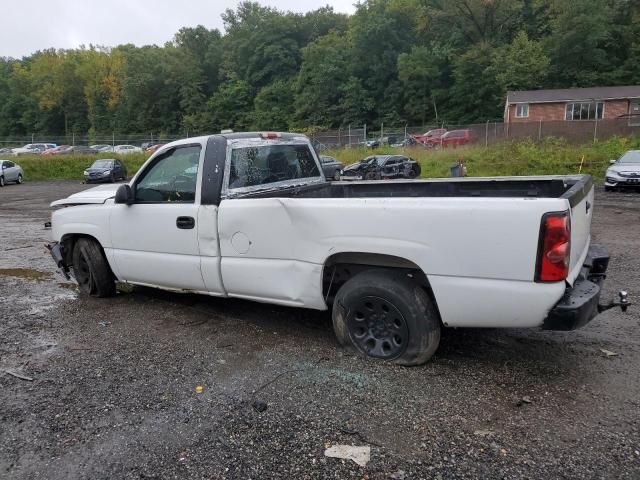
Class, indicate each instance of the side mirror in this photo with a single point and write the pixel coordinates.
(124, 194)
(612, 162)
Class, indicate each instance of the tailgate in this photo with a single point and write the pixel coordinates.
(580, 198)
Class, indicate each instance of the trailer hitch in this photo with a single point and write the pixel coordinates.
(623, 303)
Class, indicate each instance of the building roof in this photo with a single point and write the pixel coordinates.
(573, 94)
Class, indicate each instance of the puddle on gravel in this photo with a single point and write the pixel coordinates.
(26, 273)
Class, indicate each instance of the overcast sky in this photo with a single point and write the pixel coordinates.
(30, 25)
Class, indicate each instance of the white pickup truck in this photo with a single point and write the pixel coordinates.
(250, 215)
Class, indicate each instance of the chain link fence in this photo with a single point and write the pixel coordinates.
(486, 133)
(353, 136)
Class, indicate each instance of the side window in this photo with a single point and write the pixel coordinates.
(172, 177)
(9, 164)
(265, 164)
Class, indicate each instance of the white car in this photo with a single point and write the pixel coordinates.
(101, 148)
(10, 173)
(624, 172)
(33, 149)
(250, 215)
(124, 149)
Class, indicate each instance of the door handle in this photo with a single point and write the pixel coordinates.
(185, 223)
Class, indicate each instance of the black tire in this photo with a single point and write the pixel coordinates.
(19, 181)
(91, 270)
(386, 315)
(112, 178)
(1, 181)
(608, 189)
(336, 175)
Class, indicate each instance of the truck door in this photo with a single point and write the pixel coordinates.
(155, 240)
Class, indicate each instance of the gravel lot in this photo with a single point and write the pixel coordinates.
(114, 383)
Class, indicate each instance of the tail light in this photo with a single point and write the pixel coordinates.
(554, 247)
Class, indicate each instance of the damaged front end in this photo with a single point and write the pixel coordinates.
(57, 253)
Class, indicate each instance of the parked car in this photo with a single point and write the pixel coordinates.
(396, 261)
(431, 138)
(624, 172)
(331, 167)
(454, 138)
(105, 170)
(79, 149)
(56, 150)
(6, 150)
(377, 167)
(155, 147)
(10, 173)
(102, 148)
(125, 149)
(33, 149)
(375, 143)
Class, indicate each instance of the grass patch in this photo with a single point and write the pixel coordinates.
(553, 156)
(71, 167)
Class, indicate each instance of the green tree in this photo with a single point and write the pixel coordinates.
(231, 106)
(580, 31)
(475, 95)
(324, 70)
(425, 75)
(521, 65)
(273, 106)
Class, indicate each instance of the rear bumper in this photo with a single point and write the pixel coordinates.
(579, 305)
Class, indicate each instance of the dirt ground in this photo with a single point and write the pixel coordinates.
(113, 390)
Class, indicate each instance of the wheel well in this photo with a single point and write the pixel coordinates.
(69, 241)
(339, 268)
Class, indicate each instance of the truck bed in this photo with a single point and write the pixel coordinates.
(573, 188)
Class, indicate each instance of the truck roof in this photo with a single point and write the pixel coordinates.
(231, 136)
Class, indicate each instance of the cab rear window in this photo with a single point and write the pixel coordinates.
(264, 164)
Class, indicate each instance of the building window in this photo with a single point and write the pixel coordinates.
(522, 110)
(584, 111)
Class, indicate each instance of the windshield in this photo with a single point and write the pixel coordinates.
(102, 164)
(632, 156)
(265, 164)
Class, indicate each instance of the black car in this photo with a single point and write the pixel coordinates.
(377, 167)
(331, 167)
(105, 170)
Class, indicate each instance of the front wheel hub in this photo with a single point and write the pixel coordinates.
(377, 328)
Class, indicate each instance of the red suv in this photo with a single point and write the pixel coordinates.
(432, 137)
(453, 138)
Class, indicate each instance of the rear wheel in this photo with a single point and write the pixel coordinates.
(19, 180)
(91, 270)
(386, 315)
(336, 175)
(1, 181)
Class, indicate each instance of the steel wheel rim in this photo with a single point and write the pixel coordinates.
(377, 328)
(83, 272)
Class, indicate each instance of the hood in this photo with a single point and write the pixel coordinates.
(354, 167)
(625, 168)
(98, 169)
(94, 195)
